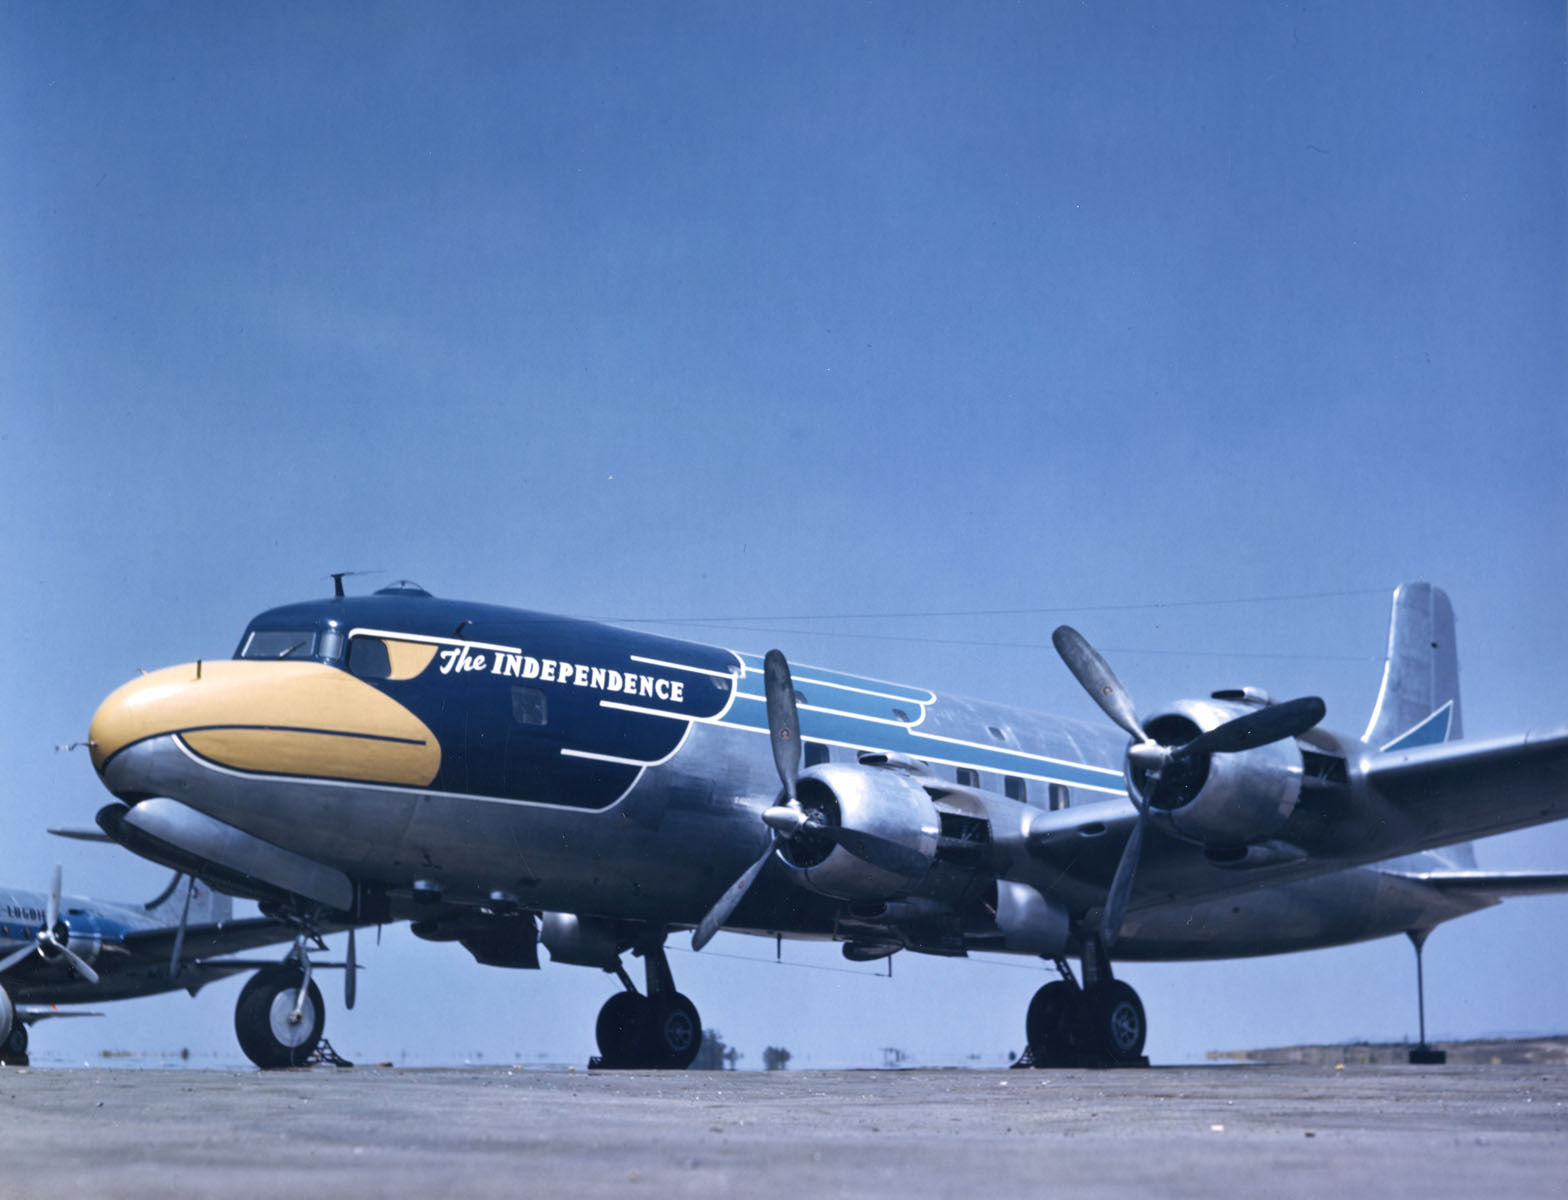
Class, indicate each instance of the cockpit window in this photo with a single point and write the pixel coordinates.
(387, 657)
(279, 643)
(368, 658)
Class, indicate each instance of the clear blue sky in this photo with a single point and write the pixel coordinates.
(696, 311)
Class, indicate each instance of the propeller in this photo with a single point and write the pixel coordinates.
(789, 820)
(1247, 732)
(48, 943)
(783, 820)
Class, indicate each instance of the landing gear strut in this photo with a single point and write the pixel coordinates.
(660, 1030)
(1100, 1024)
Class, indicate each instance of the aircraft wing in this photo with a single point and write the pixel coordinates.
(1493, 884)
(1456, 791)
(212, 941)
(1401, 803)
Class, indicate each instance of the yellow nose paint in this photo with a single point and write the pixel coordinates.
(288, 718)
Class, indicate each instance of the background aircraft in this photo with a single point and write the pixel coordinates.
(57, 949)
(503, 777)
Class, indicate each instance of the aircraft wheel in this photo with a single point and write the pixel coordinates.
(674, 1031)
(622, 1030)
(263, 1019)
(1111, 1024)
(1049, 1024)
(13, 1051)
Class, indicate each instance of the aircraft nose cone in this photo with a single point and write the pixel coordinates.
(289, 718)
(136, 711)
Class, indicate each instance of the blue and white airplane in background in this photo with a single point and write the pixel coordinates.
(58, 949)
(502, 777)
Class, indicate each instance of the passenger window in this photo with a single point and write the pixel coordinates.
(815, 752)
(1016, 789)
(1059, 797)
(968, 777)
(529, 706)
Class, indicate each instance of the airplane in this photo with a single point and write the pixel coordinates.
(503, 778)
(57, 949)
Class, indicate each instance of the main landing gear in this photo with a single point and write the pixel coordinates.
(660, 1030)
(13, 1050)
(1100, 1024)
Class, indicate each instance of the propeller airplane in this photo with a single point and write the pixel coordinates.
(503, 778)
(57, 949)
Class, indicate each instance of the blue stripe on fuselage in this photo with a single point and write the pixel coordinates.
(843, 710)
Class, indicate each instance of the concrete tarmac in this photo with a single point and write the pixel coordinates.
(1175, 1131)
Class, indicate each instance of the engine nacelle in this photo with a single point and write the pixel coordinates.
(1219, 799)
(82, 935)
(884, 803)
(7, 1015)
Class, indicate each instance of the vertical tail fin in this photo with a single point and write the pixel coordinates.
(207, 906)
(1418, 704)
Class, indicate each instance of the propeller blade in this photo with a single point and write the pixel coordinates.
(179, 935)
(77, 964)
(1094, 674)
(878, 851)
(52, 908)
(1121, 884)
(351, 974)
(783, 720)
(714, 920)
(1251, 730)
(15, 957)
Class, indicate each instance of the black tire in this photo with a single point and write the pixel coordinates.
(13, 1051)
(1050, 1024)
(261, 1019)
(1111, 1024)
(622, 1030)
(674, 1031)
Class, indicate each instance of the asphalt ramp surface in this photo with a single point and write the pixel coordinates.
(1178, 1131)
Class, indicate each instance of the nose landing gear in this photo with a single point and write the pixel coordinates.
(279, 1017)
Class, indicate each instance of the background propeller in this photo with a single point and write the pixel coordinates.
(47, 943)
(1247, 732)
